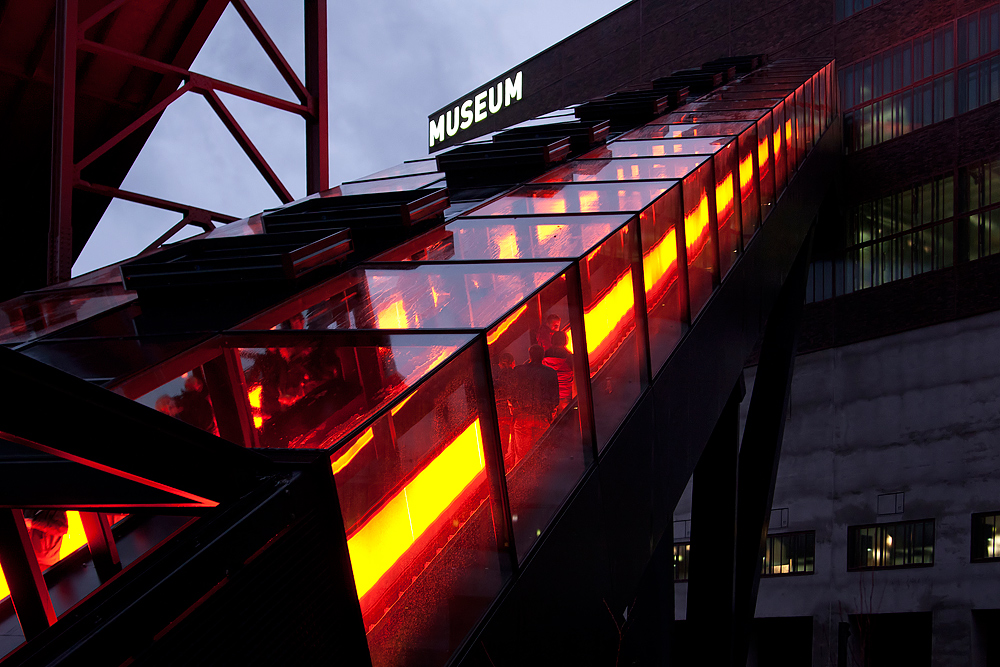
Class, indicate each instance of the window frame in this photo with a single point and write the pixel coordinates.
(854, 531)
(973, 533)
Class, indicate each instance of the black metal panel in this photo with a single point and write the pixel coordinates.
(240, 260)
(503, 162)
(135, 442)
(264, 580)
(583, 135)
(699, 81)
(542, 613)
(557, 613)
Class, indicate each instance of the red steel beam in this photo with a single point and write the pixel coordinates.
(192, 218)
(142, 120)
(317, 128)
(60, 264)
(244, 141)
(146, 200)
(100, 15)
(272, 51)
(203, 81)
(28, 590)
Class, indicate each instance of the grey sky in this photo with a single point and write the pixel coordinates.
(391, 63)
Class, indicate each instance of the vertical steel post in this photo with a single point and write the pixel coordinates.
(761, 447)
(60, 259)
(102, 545)
(713, 536)
(639, 299)
(581, 363)
(496, 474)
(28, 590)
(317, 137)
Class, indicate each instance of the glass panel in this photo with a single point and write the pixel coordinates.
(443, 296)
(662, 168)
(407, 168)
(684, 146)
(574, 198)
(186, 398)
(311, 394)
(609, 323)
(548, 237)
(664, 299)
(679, 130)
(726, 206)
(778, 146)
(37, 314)
(413, 489)
(749, 196)
(714, 116)
(701, 252)
(534, 377)
(765, 161)
(391, 184)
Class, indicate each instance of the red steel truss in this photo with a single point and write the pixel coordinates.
(71, 37)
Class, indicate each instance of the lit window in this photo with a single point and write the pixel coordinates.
(682, 556)
(985, 537)
(899, 544)
(790, 553)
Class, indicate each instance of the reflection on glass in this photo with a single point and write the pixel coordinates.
(310, 395)
(680, 130)
(727, 206)
(683, 146)
(416, 503)
(36, 314)
(405, 169)
(778, 148)
(613, 346)
(534, 376)
(550, 237)
(391, 184)
(665, 299)
(749, 198)
(698, 215)
(622, 170)
(765, 162)
(185, 398)
(574, 198)
(443, 296)
(714, 116)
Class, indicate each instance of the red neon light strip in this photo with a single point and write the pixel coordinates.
(386, 537)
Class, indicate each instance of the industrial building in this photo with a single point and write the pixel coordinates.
(677, 347)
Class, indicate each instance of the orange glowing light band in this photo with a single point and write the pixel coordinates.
(507, 247)
(74, 538)
(696, 227)
(724, 197)
(763, 155)
(609, 313)
(660, 263)
(746, 175)
(546, 232)
(386, 537)
(506, 324)
(393, 316)
(777, 144)
(344, 459)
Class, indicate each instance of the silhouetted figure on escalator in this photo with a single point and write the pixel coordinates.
(536, 397)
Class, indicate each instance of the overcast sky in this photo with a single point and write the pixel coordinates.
(391, 63)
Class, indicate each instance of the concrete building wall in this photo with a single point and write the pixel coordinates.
(917, 413)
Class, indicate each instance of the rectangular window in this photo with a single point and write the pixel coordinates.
(888, 545)
(682, 557)
(789, 553)
(985, 537)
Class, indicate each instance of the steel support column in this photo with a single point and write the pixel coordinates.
(60, 260)
(317, 128)
(103, 549)
(28, 590)
(761, 447)
(713, 537)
